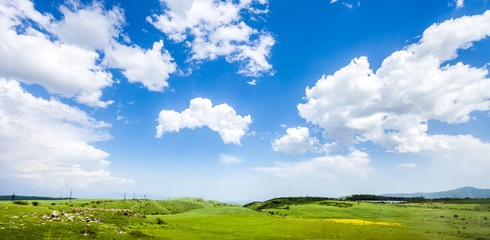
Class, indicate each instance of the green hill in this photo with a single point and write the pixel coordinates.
(21, 197)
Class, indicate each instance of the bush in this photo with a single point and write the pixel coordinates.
(18, 202)
(138, 234)
(336, 204)
(160, 221)
(53, 203)
(35, 203)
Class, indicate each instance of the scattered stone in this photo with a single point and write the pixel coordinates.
(54, 214)
(14, 217)
(121, 232)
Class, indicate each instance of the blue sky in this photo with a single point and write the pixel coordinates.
(243, 100)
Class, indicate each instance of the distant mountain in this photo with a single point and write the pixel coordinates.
(20, 197)
(465, 192)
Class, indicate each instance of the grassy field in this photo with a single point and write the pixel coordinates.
(195, 218)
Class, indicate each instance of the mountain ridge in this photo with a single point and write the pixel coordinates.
(464, 192)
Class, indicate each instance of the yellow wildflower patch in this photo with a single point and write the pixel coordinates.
(354, 221)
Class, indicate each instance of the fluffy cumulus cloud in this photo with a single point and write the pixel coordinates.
(201, 112)
(90, 27)
(94, 28)
(29, 55)
(392, 106)
(48, 142)
(64, 55)
(150, 67)
(213, 28)
(325, 167)
(296, 141)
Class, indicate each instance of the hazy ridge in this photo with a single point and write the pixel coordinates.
(464, 192)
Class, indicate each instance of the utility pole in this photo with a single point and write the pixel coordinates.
(134, 195)
(70, 195)
(13, 196)
(125, 197)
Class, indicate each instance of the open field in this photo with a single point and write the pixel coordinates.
(195, 218)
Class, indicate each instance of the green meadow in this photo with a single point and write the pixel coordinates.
(283, 218)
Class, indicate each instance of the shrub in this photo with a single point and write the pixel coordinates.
(35, 203)
(53, 203)
(18, 202)
(160, 221)
(336, 204)
(138, 234)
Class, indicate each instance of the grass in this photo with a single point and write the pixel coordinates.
(195, 218)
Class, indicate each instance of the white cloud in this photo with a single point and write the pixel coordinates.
(215, 28)
(348, 5)
(201, 112)
(31, 57)
(392, 106)
(330, 147)
(63, 56)
(329, 167)
(228, 159)
(89, 27)
(460, 155)
(255, 55)
(459, 3)
(48, 142)
(151, 67)
(252, 83)
(296, 141)
(98, 29)
(407, 165)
